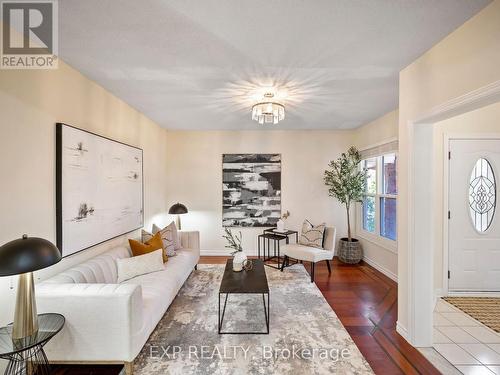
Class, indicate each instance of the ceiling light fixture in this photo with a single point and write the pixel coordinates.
(268, 111)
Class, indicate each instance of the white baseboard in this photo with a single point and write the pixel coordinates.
(438, 293)
(402, 330)
(224, 253)
(378, 267)
(215, 252)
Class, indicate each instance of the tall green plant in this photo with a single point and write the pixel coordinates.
(346, 181)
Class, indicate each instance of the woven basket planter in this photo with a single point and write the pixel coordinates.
(350, 252)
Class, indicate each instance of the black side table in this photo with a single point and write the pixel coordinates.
(286, 234)
(274, 236)
(26, 355)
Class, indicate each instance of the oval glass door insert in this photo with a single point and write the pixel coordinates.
(482, 195)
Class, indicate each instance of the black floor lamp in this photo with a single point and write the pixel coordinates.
(22, 257)
(178, 209)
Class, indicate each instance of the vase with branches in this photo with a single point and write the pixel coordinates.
(234, 242)
(346, 182)
(280, 225)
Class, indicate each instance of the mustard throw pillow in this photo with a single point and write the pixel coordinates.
(155, 243)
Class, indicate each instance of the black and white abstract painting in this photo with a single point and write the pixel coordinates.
(99, 189)
(251, 190)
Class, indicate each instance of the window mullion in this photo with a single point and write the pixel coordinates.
(377, 198)
(388, 196)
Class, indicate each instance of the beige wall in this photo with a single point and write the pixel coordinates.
(378, 131)
(31, 102)
(195, 177)
(381, 130)
(467, 59)
(484, 121)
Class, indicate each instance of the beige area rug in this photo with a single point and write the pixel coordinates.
(306, 337)
(484, 309)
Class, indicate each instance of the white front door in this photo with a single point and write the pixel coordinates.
(474, 226)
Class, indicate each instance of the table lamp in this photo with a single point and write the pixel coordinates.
(22, 257)
(178, 209)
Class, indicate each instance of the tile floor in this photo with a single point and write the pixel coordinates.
(462, 342)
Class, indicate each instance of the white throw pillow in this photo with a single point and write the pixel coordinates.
(139, 265)
(312, 235)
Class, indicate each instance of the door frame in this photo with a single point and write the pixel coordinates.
(451, 136)
(418, 288)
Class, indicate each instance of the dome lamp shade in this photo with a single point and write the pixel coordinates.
(22, 257)
(27, 254)
(178, 209)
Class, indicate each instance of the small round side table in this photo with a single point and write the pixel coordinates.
(26, 355)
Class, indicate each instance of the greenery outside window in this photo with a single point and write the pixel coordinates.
(378, 220)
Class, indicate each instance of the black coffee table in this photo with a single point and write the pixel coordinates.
(244, 282)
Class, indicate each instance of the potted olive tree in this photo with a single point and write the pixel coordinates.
(346, 182)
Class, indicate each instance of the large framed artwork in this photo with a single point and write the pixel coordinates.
(251, 190)
(99, 189)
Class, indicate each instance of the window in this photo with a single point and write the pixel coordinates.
(482, 195)
(378, 210)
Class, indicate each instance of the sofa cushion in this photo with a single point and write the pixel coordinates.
(158, 291)
(160, 288)
(307, 253)
(98, 270)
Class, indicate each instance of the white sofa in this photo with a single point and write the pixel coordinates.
(108, 322)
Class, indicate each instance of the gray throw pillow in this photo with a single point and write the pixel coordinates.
(312, 235)
(169, 236)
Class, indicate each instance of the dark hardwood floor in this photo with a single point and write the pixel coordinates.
(365, 301)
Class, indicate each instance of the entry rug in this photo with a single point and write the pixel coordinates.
(484, 309)
(306, 337)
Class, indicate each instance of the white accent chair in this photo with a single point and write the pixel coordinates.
(311, 254)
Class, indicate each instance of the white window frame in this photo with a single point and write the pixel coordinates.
(375, 237)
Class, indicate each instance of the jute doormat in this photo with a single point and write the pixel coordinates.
(484, 309)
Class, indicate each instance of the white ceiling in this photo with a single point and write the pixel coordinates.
(198, 64)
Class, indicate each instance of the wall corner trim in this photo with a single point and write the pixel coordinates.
(419, 286)
(402, 330)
